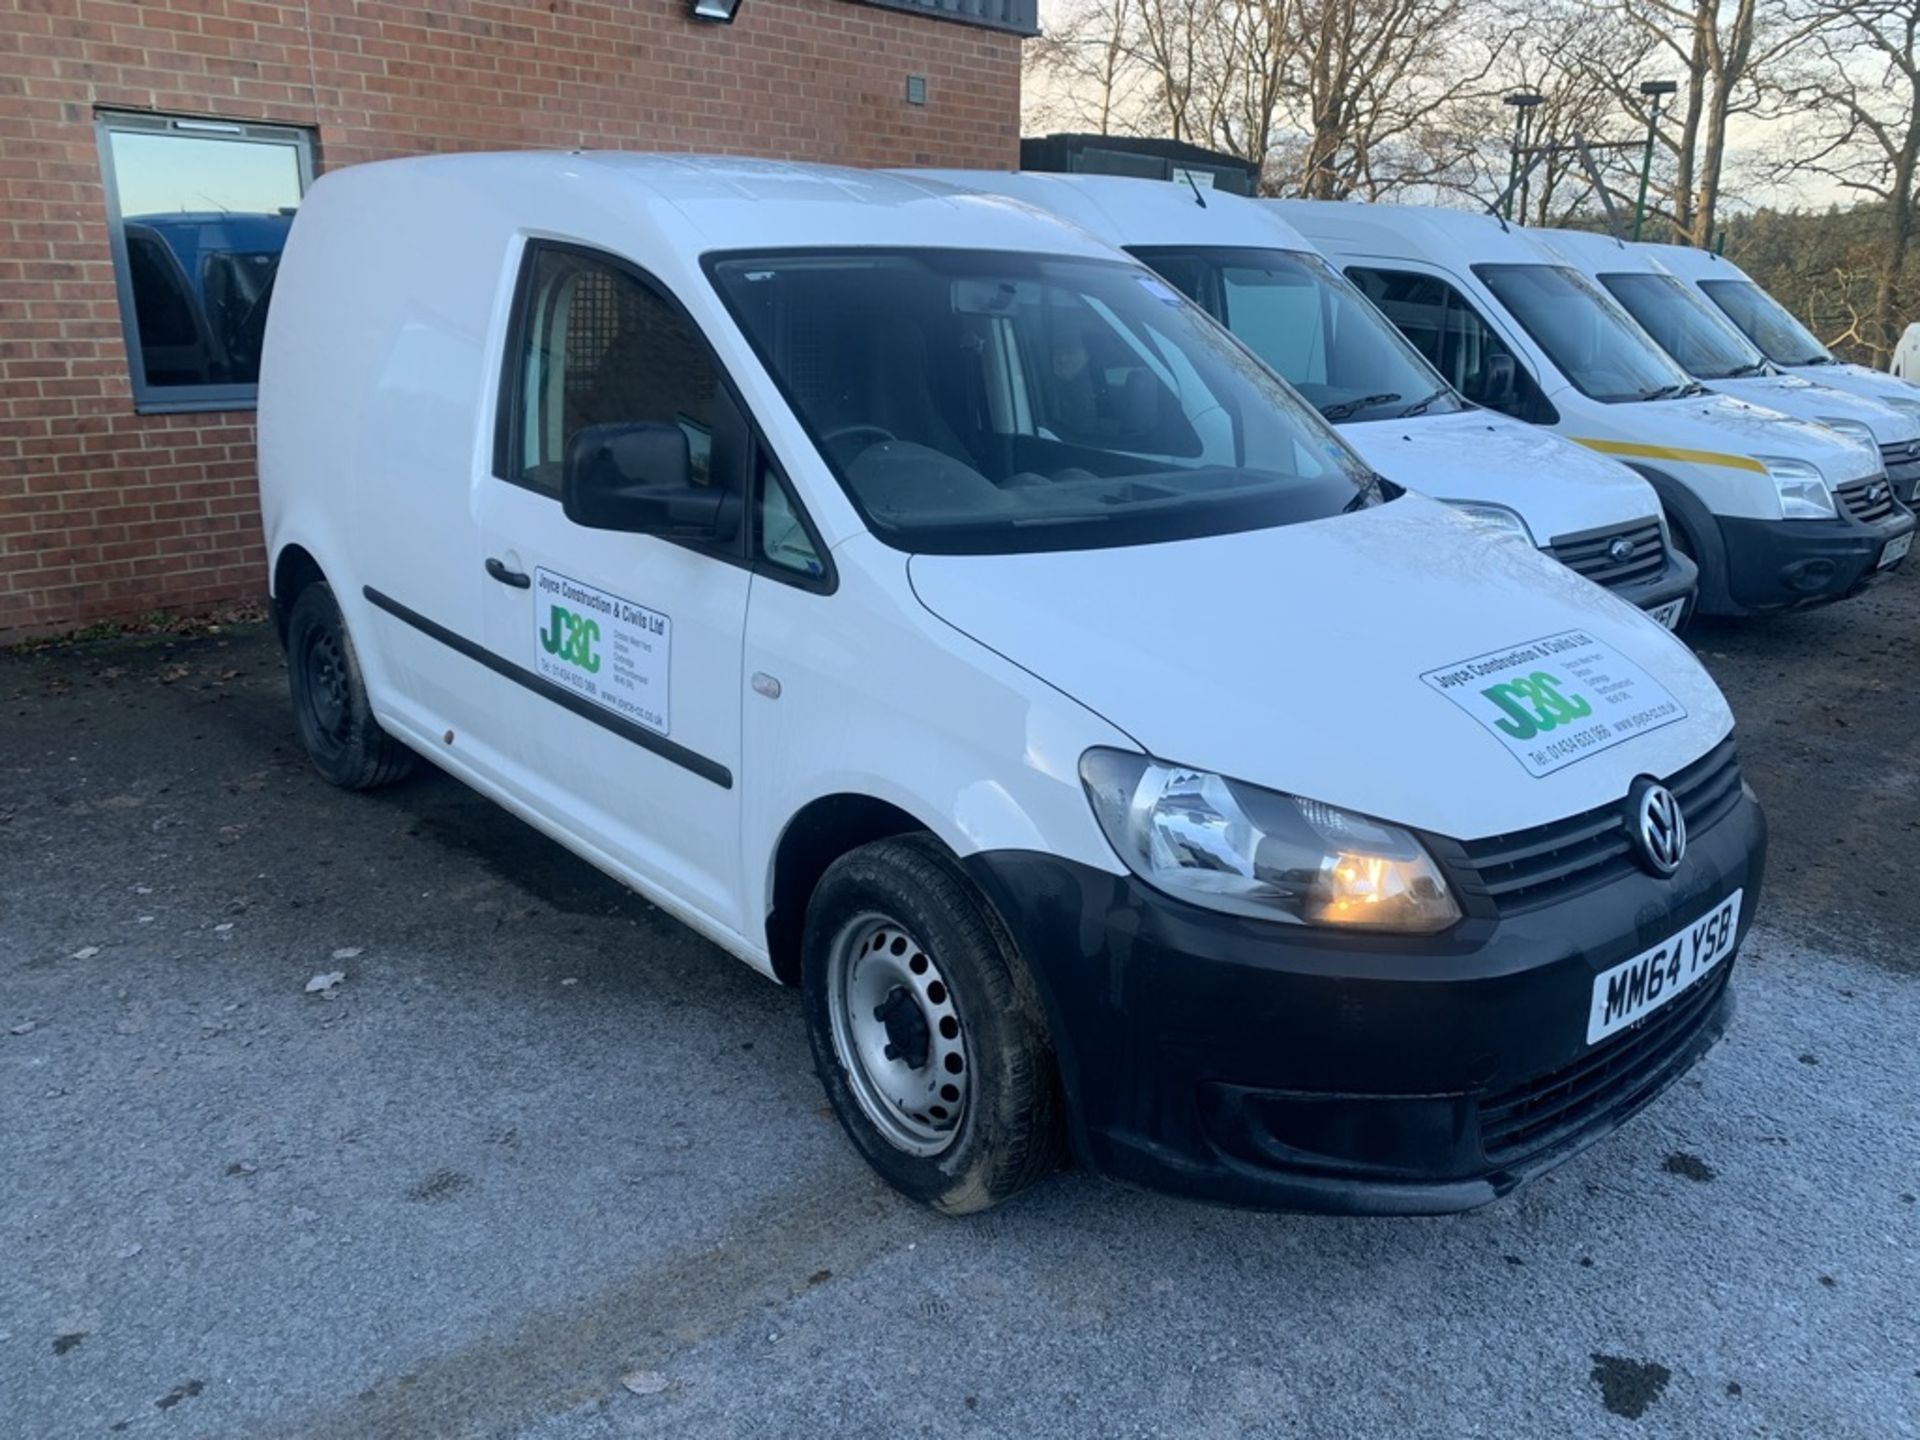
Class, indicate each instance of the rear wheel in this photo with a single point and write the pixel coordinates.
(926, 1029)
(330, 709)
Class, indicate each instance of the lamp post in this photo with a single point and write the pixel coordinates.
(1522, 102)
(1655, 91)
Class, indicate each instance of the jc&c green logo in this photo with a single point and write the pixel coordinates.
(571, 637)
(1534, 704)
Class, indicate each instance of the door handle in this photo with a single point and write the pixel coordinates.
(518, 579)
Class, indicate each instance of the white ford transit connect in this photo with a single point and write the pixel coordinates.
(1769, 507)
(1791, 346)
(1259, 277)
(1701, 340)
(940, 613)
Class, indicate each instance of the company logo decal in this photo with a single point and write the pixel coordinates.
(1621, 550)
(1554, 701)
(570, 637)
(1533, 705)
(603, 647)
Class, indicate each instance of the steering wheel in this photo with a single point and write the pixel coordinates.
(880, 435)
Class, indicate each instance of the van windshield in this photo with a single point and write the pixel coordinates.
(1589, 337)
(1767, 323)
(1690, 330)
(1310, 324)
(982, 402)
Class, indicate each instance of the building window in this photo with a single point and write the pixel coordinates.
(198, 211)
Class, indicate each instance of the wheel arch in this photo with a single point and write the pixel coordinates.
(1689, 513)
(820, 832)
(294, 569)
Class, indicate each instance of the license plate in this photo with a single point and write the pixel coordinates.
(1896, 550)
(1627, 993)
(1669, 614)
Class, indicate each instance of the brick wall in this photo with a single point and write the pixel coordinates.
(105, 514)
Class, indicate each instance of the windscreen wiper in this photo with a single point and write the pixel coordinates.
(1419, 407)
(1671, 392)
(1741, 372)
(1341, 409)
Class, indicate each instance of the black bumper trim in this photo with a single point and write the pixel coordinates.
(1286, 1067)
(1786, 564)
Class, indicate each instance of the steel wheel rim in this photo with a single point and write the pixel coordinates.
(325, 664)
(885, 996)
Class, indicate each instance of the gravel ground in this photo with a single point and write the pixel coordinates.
(540, 1141)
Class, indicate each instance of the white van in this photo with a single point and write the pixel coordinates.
(1260, 278)
(1113, 760)
(1701, 340)
(1791, 346)
(1777, 512)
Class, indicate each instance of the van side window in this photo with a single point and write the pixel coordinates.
(599, 347)
(1446, 329)
(783, 539)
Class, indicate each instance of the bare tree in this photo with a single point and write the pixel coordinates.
(1858, 76)
(1080, 72)
(1723, 48)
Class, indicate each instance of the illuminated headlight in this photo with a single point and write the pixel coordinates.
(1853, 430)
(1803, 490)
(1494, 517)
(1229, 846)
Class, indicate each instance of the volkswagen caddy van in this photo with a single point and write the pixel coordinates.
(1149, 778)
(1701, 340)
(1791, 346)
(1259, 277)
(1774, 510)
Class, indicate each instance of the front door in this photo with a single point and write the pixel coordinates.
(627, 646)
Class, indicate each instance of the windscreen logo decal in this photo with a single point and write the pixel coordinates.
(1558, 699)
(602, 647)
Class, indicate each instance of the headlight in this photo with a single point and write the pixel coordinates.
(1803, 490)
(1234, 847)
(1853, 430)
(1902, 403)
(1497, 517)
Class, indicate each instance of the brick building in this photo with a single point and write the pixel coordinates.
(152, 154)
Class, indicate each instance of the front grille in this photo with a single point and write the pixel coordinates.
(1866, 500)
(1588, 553)
(1903, 467)
(1529, 868)
(1619, 1074)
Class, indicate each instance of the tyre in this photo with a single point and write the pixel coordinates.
(330, 709)
(926, 1029)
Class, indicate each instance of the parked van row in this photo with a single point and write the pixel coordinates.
(1237, 784)
(1776, 511)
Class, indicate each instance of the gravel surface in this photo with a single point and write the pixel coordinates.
(540, 1163)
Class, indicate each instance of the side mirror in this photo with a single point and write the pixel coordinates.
(637, 476)
(1501, 387)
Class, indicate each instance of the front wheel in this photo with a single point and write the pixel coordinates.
(926, 1029)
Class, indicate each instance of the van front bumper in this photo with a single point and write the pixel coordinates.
(1285, 1067)
(1782, 564)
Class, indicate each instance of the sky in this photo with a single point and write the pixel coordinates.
(1744, 133)
(167, 173)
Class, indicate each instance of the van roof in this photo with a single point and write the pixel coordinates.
(1415, 231)
(1601, 254)
(737, 202)
(1129, 210)
(1692, 263)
